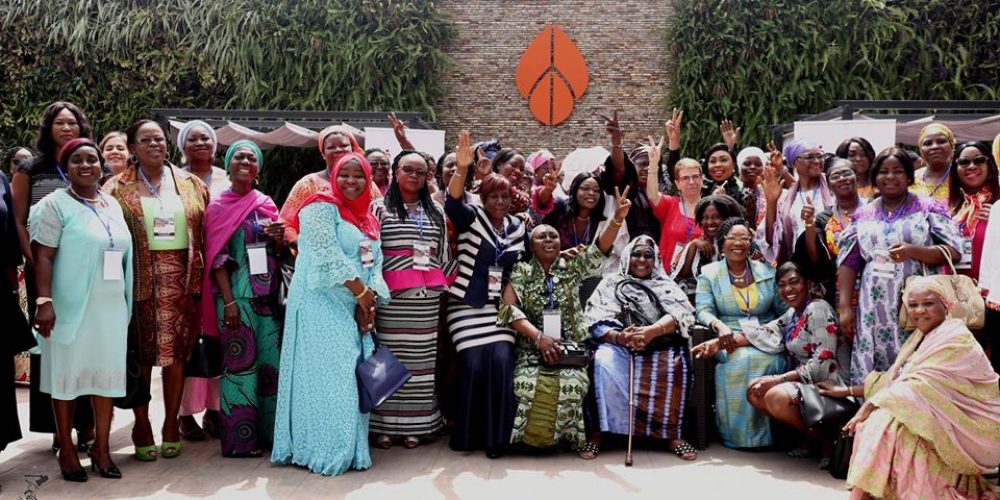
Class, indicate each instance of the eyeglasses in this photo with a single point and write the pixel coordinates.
(689, 178)
(967, 163)
(842, 174)
(642, 255)
(810, 158)
(416, 172)
(738, 239)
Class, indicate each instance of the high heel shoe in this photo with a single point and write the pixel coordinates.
(77, 476)
(109, 473)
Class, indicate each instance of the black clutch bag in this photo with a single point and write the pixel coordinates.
(379, 377)
(821, 411)
(574, 354)
(206, 358)
(840, 461)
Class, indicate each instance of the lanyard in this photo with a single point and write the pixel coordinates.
(550, 288)
(746, 299)
(586, 234)
(149, 186)
(420, 220)
(61, 173)
(688, 225)
(887, 229)
(812, 196)
(106, 224)
(499, 250)
(940, 181)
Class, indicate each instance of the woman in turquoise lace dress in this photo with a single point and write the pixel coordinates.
(331, 309)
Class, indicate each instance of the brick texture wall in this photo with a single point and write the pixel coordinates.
(621, 41)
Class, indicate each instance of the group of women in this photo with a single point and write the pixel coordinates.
(795, 260)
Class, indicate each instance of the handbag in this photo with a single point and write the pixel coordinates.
(379, 377)
(818, 410)
(969, 305)
(206, 358)
(19, 337)
(136, 390)
(840, 460)
(633, 314)
(574, 354)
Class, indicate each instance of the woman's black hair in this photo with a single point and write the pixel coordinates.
(955, 193)
(439, 173)
(9, 157)
(726, 205)
(573, 206)
(828, 159)
(788, 268)
(727, 226)
(375, 150)
(394, 198)
(844, 149)
(133, 130)
(901, 155)
(715, 148)
(44, 142)
(503, 156)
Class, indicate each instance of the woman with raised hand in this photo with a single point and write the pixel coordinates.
(331, 311)
(861, 155)
(243, 241)
(937, 146)
(490, 242)
(550, 397)
(736, 295)
(660, 346)
(415, 245)
(83, 256)
(930, 423)
(678, 226)
(164, 207)
(790, 213)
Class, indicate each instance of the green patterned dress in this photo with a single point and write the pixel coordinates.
(549, 400)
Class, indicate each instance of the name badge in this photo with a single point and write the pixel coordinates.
(257, 256)
(113, 265)
(749, 324)
(367, 254)
(495, 280)
(552, 324)
(421, 256)
(966, 262)
(164, 226)
(883, 267)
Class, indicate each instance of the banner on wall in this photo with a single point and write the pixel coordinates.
(425, 141)
(829, 134)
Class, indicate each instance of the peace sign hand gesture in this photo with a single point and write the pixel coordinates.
(613, 128)
(673, 129)
(654, 153)
(622, 203)
(551, 179)
(774, 158)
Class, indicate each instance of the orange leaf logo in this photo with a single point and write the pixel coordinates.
(551, 75)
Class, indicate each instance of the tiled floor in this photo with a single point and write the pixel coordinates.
(431, 471)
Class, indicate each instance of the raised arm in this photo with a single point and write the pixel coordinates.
(653, 188)
(772, 191)
(617, 155)
(399, 129)
(607, 238)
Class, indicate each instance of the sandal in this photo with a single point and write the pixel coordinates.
(589, 451)
(146, 453)
(210, 422)
(190, 429)
(411, 442)
(170, 449)
(383, 442)
(684, 450)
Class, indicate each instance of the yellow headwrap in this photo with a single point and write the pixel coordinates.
(929, 284)
(996, 149)
(937, 128)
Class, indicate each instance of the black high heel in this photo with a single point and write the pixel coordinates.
(77, 476)
(109, 473)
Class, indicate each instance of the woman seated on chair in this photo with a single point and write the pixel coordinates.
(735, 295)
(639, 311)
(541, 303)
(930, 426)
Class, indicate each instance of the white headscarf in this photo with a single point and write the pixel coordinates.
(749, 153)
(182, 135)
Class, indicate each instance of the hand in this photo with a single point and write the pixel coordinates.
(231, 316)
(548, 349)
(808, 214)
(673, 129)
(622, 203)
(984, 212)
(719, 191)
(771, 183)
(365, 318)
(654, 151)
(367, 300)
(525, 219)
(760, 385)
(614, 130)
(463, 152)
(398, 128)
(729, 136)
(866, 409)
(826, 388)
(726, 340)
(706, 349)
(572, 252)
(848, 326)
(484, 165)
(704, 245)
(901, 252)
(275, 231)
(774, 158)
(551, 179)
(640, 337)
(45, 319)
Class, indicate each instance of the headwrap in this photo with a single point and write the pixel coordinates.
(354, 211)
(750, 152)
(222, 217)
(538, 158)
(72, 145)
(937, 128)
(638, 152)
(996, 149)
(343, 130)
(182, 135)
(794, 149)
(930, 284)
(244, 143)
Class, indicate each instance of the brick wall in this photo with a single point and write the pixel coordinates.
(621, 41)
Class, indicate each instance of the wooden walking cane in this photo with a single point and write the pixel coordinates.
(631, 407)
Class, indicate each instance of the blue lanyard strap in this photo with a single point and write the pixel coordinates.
(812, 196)
(420, 220)
(586, 234)
(62, 174)
(746, 298)
(887, 227)
(940, 182)
(688, 225)
(550, 287)
(106, 224)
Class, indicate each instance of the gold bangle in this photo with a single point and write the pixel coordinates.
(850, 390)
(809, 225)
(362, 294)
(615, 224)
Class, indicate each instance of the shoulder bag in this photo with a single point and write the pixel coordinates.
(818, 410)
(379, 377)
(206, 358)
(633, 315)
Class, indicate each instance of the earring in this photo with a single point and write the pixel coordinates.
(255, 181)
(133, 160)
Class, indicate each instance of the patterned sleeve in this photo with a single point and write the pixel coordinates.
(770, 337)
(510, 313)
(850, 251)
(603, 309)
(587, 262)
(302, 189)
(943, 229)
(704, 302)
(678, 308)
(45, 222)
(820, 334)
(330, 265)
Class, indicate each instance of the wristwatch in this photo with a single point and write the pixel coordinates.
(41, 301)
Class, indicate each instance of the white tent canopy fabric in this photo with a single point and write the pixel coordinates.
(289, 134)
(982, 129)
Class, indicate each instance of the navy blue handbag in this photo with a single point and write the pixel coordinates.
(379, 377)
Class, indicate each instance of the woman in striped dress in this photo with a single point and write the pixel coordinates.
(415, 250)
(490, 242)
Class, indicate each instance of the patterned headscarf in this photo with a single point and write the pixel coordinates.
(354, 211)
(930, 284)
(244, 143)
(937, 128)
(182, 135)
(342, 130)
(795, 149)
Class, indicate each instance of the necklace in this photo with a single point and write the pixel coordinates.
(95, 199)
(740, 277)
(582, 219)
(890, 210)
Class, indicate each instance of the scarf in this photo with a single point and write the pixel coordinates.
(539, 158)
(222, 217)
(244, 143)
(996, 148)
(182, 135)
(343, 130)
(354, 211)
(965, 217)
(792, 152)
(936, 128)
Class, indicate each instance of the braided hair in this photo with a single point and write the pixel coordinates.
(727, 226)
(394, 198)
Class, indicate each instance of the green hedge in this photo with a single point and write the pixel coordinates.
(762, 62)
(117, 59)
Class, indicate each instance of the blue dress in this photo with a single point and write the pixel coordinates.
(317, 423)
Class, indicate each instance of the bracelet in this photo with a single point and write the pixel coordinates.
(615, 224)
(809, 225)
(362, 294)
(850, 390)
(233, 303)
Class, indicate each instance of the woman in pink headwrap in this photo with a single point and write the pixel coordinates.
(930, 425)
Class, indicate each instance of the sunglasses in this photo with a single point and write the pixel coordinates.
(966, 162)
(810, 158)
(416, 172)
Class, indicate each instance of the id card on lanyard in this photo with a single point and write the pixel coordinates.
(496, 271)
(257, 251)
(882, 266)
(112, 263)
(164, 221)
(551, 319)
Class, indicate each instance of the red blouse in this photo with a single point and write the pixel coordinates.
(676, 228)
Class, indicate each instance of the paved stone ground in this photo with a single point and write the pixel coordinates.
(431, 471)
